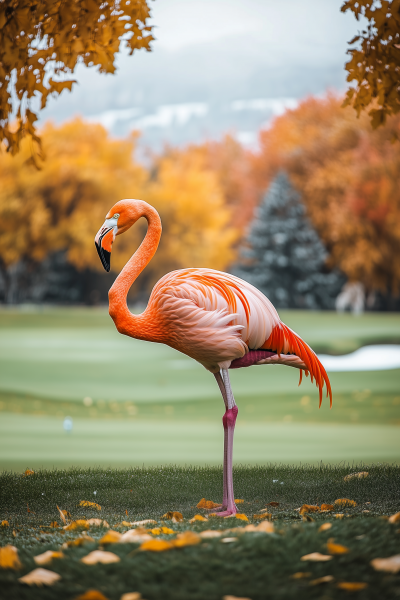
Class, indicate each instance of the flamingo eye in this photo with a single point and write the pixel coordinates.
(116, 216)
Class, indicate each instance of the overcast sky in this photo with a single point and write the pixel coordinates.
(215, 52)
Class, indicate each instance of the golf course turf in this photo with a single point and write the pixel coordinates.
(252, 565)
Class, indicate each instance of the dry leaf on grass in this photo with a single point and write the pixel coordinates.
(111, 537)
(336, 548)
(352, 586)
(187, 538)
(325, 579)
(211, 533)
(5, 524)
(144, 522)
(54, 524)
(360, 475)
(174, 516)
(234, 598)
(308, 519)
(87, 504)
(238, 501)
(345, 502)
(156, 546)
(40, 577)
(131, 596)
(99, 523)
(198, 518)
(135, 536)
(28, 472)
(78, 524)
(393, 519)
(265, 515)
(273, 504)
(64, 514)
(316, 557)
(91, 595)
(263, 527)
(327, 507)
(208, 504)
(300, 575)
(241, 517)
(229, 540)
(9, 558)
(47, 557)
(80, 541)
(339, 515)
(390, 565)
(100, 556)
(325, 527)
(308, 508)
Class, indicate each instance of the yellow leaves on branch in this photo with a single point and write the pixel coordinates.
(9, 558)
(52, 36)
(87, 504)
(40, 577)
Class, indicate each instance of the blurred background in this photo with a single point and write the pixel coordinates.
(232, 127)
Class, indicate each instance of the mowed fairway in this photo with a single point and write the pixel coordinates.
(147, 404)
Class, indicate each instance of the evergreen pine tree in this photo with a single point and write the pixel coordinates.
(283, 255)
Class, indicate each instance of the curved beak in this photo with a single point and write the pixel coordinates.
(104, 241)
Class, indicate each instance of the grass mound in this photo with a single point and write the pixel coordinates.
(242, 563)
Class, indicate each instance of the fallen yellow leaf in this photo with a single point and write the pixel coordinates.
(124, 524)
(234, 598)
(393, 519)
(345, 502)
(241, 517)
(175, 516)
(327, 507)
(54, 524)
(207, 504)
(100, 556)
(187, 538)
(156, 545)
(352, 586)
(9, 558)
(360, 475)
(87, 504)
(336, 548)
(308, 508)
(300, 575)
(238, 501)
(144, 522)
(316, 557)
(91, 595)
(98, 523)
(135, 536)
(29, 472)
(111, 537)
(79, 524)
(64, 514)
(390, 565)
(274, 504)
(5, 524)
(131, 596)
(339, 515)
(263, 527)
(211, 533)
(80, 541)
(47, 557)
(167, 530)
(263, 516)
(40, 577)
(325, 579)
(198, 518)
(325, 526)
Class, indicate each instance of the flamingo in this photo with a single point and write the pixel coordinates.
(213, 317)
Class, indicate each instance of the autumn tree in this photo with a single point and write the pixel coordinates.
(42, 42)
(375, 59)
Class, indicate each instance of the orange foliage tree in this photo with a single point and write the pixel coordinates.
(348, 176)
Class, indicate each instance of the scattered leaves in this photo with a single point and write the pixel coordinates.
(87, 504)
(308, 508)
(47, 557)
(144, 522)
(9, 558)
(325, 527)
(325, 579)
(135, 536)
(327, 507)
(316, 557)
(390, 565)
(336, 548)
(173, 515)
(198, 518)
(100, 556)
(40, 577)
(345, 502)
(5, 524)
(352, 586)
(208, 504)
(111, 537)
(360, 475)
(187, 538)
(78, 524)
(156, 545)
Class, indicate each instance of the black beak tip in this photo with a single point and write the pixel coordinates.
(105, 257)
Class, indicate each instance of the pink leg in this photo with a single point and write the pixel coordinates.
(228, 420)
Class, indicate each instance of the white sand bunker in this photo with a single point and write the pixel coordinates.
(368, 358)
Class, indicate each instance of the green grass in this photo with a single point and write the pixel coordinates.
(150, 404)
(256, 566)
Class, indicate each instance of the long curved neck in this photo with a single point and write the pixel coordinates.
(124, 320)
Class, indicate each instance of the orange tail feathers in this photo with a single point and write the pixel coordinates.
(284, 340)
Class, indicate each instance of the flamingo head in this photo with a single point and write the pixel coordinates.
(121, 216)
